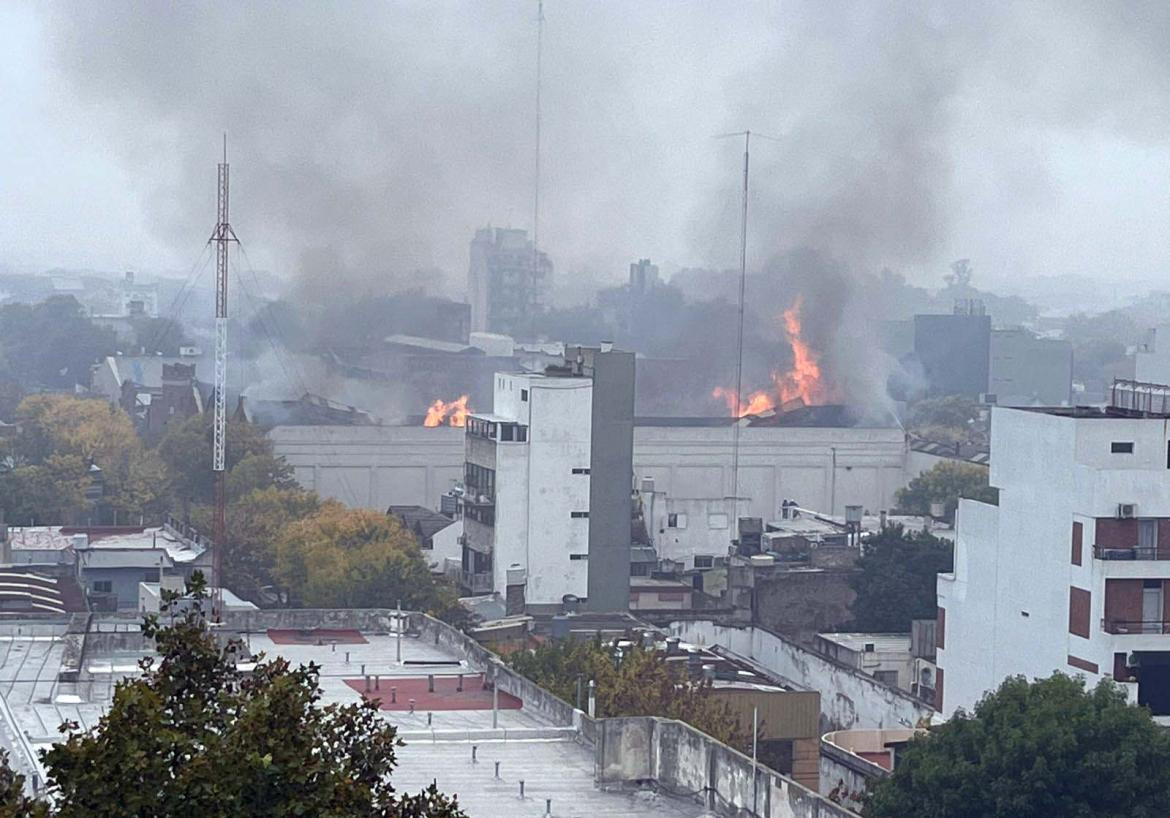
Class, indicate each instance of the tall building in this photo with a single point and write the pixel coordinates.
(547, 484)
(643, 276)
(954, 352)
(506, 281)
(1070, 571)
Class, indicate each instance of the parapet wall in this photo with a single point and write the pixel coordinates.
(684, 762)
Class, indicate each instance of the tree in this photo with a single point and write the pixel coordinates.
(52, 344)
(355, 558)
(60, 437)
(195, 735)
(950, 419)
(13, 802)
(636, 682)
(1033, 750)
(945, 483)
(162, 336)
(254, 522)
(896, 578)
(186, 450)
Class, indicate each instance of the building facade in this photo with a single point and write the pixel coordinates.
(1070, 571)
(506, 281)
(547, 484)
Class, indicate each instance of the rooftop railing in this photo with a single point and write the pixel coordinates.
(1136, 626)
(1136, 552)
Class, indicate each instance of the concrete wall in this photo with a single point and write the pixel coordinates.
(845, 777)
(848, 698)
(678, 758)
(374, 466)
(611, 475)
(1029, 371)
(801, 604)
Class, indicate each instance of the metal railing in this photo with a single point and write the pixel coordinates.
(477, 583)
(1135, 552)
(1136, 626)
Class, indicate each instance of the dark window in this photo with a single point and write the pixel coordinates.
(704, 561)
(1168, 454)
(578, 556)
(507, 431)
(1121, 447)
(869, 647)
(580, 471)
(1079, 605)
(523, 394)
(521, 434)
(579, 514)
(1078, 537)
(639, 569)
(103, 586)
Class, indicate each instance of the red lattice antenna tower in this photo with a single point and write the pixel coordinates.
(221, 236)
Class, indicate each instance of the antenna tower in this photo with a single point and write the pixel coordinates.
(221, 236)
(536, 174)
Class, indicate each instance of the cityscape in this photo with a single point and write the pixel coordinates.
(463, 410)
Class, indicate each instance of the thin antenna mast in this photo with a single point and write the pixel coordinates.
(221, 236)
(747, 137)
(536, 174)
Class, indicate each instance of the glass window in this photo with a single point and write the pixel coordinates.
(1121, 447)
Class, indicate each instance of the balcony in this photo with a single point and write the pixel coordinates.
(1131, 554)
(1130, 626)
(477, 583)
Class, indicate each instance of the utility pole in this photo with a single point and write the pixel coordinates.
(221, 236)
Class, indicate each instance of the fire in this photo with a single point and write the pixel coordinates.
(800, 385)
(453, 412)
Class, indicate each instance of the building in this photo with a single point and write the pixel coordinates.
(109, 377)
(154, 409)
(439, 536)
(1027, 370)
(547, 482)
(885, 656)
(1070, 571)
(452, 703)
(643, 276)
(506, 281)
(1151, 360)
(954, 351)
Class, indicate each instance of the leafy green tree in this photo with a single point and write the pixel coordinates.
(638, 682)
(1034, 750)
(60, 437)
(52, 344)
(949, 419)
(196, 736)
(896, 578)
(254, 522)
(946, 482)
(13, 802)
(186, 450)
(339, 557)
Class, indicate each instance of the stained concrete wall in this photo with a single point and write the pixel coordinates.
(848, 698)
(846, 777)
(681, 760)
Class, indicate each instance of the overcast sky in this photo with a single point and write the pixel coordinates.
(1030, 137)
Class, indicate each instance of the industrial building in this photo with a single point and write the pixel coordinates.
(826, 467)
(1070, 571)
(506, 281)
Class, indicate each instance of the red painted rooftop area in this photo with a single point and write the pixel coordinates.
(446, 696)
(316, 636)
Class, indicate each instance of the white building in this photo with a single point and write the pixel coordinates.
(1069, 572)
(1151, 360)
(527, 482)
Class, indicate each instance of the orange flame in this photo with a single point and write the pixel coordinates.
(802, 384)
(453, 412)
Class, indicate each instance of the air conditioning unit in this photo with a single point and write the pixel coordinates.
(1126, 511)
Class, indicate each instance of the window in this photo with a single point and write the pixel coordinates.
(103, 586)
(579, 515)
(580, 471)
(676, 521)
(1078, 538)
(704, 561)
(869, 647)
(523, 394)
(887, 677)
(717, 522)
(1121, 447)
(578, 556)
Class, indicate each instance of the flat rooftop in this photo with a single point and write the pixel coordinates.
(439, 734)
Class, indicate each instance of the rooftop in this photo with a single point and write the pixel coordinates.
(421, 520)
(106, 539)
(882, 642)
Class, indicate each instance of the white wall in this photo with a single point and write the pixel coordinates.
(445, 546)
(1007, 603)
(848, 698)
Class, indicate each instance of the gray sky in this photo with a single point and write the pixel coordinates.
(1030, 137)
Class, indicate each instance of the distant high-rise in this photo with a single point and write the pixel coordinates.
(506, 281)
(643, 276)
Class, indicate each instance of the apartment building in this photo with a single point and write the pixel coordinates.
(547, 484)
(506, 281)
(1070, 571)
